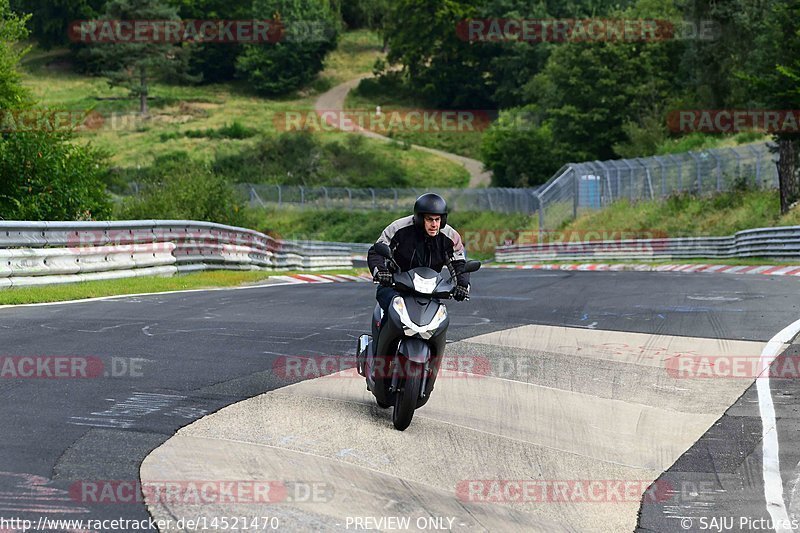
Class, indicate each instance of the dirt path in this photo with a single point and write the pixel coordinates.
(334, 100)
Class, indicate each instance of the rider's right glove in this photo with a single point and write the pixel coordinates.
(384, 277)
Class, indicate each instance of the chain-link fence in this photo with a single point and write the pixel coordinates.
(580, 187)
(573, 190)
(504, 200)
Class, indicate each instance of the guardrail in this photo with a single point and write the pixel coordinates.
(357, 250)
(777, 243)
(35, 253)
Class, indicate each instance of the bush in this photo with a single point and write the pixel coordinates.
(235, 130)
(301, 159)
(45, 177)
(176, 187)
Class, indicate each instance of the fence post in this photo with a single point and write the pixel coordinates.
(680, 172)
(663, 176)
(374, 205)
(718, 170)
(575, 193)
(758, 168)
(395, 199)
(649, 181)
(327, 200)
(302, 197)
(630, 173)
(541, 216)
(349, 198)
(280, 196)
(697, 172)
(738, 163)
(608, 185)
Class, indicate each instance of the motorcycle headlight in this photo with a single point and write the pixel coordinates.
(400, 306)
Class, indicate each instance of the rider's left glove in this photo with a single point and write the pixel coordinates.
(460, 293)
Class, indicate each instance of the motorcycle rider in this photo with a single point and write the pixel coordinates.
(420, 240)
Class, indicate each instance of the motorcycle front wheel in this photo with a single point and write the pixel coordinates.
(406, 399)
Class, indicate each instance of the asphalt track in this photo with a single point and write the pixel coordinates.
(194, 353)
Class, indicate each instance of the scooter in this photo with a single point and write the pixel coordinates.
(401, 359)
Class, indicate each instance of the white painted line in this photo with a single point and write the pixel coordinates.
(116, 296)
(773, 484)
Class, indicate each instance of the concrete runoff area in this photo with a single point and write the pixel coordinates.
(590, 417)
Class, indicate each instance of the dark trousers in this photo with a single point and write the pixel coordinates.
(385, 295)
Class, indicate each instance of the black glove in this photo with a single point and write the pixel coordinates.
(460, 293)
(384, 277)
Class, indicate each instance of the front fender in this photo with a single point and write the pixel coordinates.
(415, 350)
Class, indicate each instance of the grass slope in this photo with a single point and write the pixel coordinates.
(179, 112)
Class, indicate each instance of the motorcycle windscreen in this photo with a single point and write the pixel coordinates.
(421, 310)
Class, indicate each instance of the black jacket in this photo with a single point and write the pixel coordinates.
(413, 247)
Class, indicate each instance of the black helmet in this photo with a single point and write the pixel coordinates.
(429, 204)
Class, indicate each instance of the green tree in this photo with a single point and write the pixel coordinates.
(520, 150)
(134, 64)
(43, 175)
(743, 39)
(310, 33)
(12, 29)
(781, 90)
(599, 94)
(50, 19)
(215, 62)
(438, 64)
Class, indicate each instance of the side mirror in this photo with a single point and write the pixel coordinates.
(383, 250)
(472, 266)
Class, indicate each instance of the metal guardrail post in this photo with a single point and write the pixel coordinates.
(327, 200)
(349, 198)
(280, 196)
(374, 203)
(395, 198)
